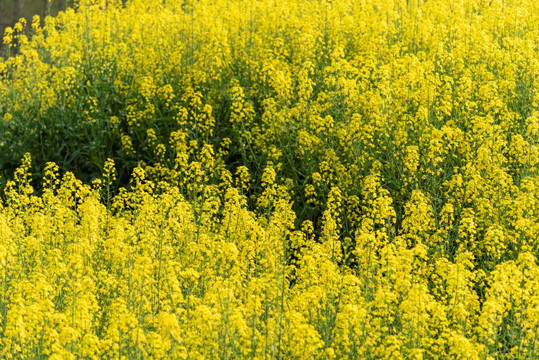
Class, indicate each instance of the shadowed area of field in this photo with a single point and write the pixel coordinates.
(12, 10)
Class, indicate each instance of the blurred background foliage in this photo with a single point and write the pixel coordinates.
(12, 10)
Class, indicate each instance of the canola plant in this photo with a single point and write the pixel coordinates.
(271, 179)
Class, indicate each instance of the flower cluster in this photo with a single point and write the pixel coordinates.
(271, 179)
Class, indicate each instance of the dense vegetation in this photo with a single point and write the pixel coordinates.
(271, 179)
(13, 10)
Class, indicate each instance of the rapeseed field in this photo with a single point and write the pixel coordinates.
(271, 179)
